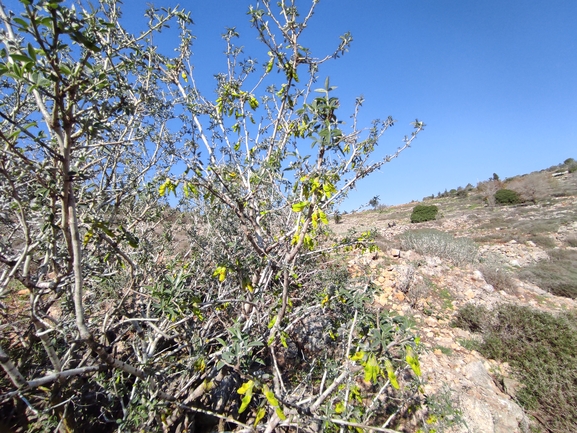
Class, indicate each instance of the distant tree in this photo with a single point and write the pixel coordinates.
(488, 189)
(532, 187)
(338, 217)
(462, 193)
(495, 177)
(374, 202)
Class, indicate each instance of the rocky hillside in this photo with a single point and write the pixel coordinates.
(522, 255)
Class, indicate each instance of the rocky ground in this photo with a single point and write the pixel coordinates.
(431, 290)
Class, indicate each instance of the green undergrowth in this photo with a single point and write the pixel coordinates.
(541, 349)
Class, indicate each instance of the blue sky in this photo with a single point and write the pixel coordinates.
(494, 81)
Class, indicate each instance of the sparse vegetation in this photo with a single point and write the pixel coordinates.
(442, 412)
(531, 188)
(545, 242)
(541, 348)
(558, 275)
(437, 243)
(497, 276)
(570, 165)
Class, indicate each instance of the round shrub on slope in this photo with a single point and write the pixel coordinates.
(507, 196)
(423, 213)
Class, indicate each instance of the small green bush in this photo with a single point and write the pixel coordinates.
(507, 196)
(422, 213)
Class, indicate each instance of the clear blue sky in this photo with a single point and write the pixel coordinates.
(495, 81)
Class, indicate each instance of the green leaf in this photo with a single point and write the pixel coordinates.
(21, 23)
(31, 52)
(21, 58)
(253, 102)
(271, 322)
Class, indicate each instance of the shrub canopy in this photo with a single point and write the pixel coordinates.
(422, 213)
(165, 252)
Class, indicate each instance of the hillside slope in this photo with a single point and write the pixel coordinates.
(522, 256)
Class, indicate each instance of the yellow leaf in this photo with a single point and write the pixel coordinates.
(315, 218)
(245, 389)
(220, 272)
(259, 415)
(391, 374)
(372, 369)
(270, 396)
(298, 207)
(339, 407)
(246, 284)
(184, 77)
(329, 189)
(413, 361)
(280, 413)
(358, 356)
(89, 234)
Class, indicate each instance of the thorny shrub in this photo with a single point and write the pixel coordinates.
(125, 310)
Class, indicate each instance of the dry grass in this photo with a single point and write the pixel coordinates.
(558, 275)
